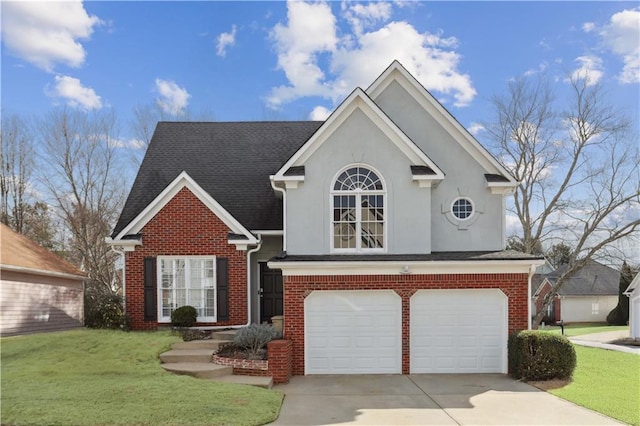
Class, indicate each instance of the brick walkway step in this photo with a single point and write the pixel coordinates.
(211, 344)
(223, 334)
(201, 370)
(186, 356)
(261, 382)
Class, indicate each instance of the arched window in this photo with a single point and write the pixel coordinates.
(358, 221)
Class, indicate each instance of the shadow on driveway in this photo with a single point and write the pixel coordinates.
(425, 399)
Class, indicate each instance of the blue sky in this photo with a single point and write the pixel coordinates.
(232, 61)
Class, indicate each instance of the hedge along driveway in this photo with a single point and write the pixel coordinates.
(92, 377)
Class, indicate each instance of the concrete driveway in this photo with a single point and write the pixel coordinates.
(426, 399)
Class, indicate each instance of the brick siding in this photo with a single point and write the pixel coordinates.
(185, 227)
(514, 286)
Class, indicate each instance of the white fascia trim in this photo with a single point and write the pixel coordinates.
(42, 272)
(444, 118)
(181, 181)
(635, 283)
(358, 99)
(544, 282)
(124, 245)
(404, 268)
(277, 233)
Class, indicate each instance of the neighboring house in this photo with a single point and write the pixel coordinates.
(588, 295)
(378, 233)
(39, 290)
(633, 292)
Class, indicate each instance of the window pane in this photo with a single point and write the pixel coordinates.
(462, 208)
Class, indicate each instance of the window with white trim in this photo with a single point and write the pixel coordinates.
(595, 308)
(358, 217)
(462, 208)
(184, 281)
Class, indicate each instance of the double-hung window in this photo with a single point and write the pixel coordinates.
(187, 281)
(358, 216)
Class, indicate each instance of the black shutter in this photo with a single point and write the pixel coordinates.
(150, 288)
(222, 288)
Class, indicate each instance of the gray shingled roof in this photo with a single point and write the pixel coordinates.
(209, 153)
(594, 279)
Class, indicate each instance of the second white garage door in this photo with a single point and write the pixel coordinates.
(353, 332)
(458, 331)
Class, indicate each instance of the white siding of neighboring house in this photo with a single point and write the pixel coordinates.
(583, 308)
(36, 303)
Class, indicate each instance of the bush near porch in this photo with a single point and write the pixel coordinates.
(102, 377)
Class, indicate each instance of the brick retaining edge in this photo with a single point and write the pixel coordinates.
(278, 365)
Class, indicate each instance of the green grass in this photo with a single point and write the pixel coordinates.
(580, 329)
(100, 377)
(607, 382)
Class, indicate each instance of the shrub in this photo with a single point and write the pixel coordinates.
(537, 355)
(255, 337)
(184, 316)
(104, 311)
(616, 316)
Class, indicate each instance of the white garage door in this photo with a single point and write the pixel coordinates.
(353, 332)
(458, 331)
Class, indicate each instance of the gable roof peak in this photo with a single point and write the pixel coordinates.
(359, 99)
(396, 72)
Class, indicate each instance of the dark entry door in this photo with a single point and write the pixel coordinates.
(270, 293)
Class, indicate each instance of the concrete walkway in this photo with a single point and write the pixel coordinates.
(601, 340)
(426, 399)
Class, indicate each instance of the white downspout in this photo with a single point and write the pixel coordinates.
(532, 271)
(124, 281)
(227, 327)
(284, 211)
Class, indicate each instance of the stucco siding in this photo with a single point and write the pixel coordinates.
(358, 141)
(587, 308)
(34, 303)
(464, 177)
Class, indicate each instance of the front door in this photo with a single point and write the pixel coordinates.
(270, 293)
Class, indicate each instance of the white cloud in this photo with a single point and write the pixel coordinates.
(587, 27)
(590, 69)
(319, 113)
(622, 36)
(173, 98)
(225, 40)
(476, 128)
(75, 93)
(309, 39)
(46, 33)
(311, 30)
(361, 16)
(132, 143)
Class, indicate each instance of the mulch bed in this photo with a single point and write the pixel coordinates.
(232, 351)
(546, 385)
(627, 341)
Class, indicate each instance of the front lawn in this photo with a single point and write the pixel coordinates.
(100, 377)
(607, 382)
(580, 329)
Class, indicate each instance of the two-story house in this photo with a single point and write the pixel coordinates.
(378, 233)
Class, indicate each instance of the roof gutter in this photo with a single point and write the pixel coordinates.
(284, 211)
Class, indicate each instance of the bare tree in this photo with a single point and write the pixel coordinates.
(80, 172)
(578, 169)
(16, 157)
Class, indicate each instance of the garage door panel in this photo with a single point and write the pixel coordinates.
(458, 331)
(353, 332)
